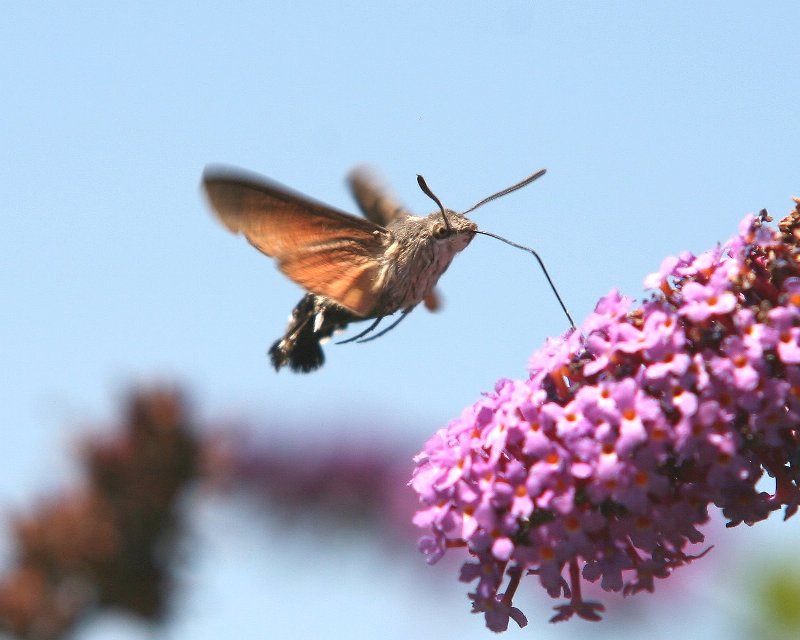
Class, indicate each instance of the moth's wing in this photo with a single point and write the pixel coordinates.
(374, 199)
(342, 271)
(327, 251)
(277, 219)
(433, 300)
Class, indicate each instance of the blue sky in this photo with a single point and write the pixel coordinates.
(660, 125)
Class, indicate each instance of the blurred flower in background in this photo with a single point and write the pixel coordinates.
(115, 541)
(347, 482)
(110, 543)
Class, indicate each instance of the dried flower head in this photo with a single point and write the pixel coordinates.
(110, 544)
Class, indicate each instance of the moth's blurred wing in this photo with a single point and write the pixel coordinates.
(329, 252)
(433, 300)
(342, 271)
(374, 199)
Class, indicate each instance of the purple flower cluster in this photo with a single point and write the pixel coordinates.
(604, 462)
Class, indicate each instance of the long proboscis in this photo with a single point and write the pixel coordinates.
(541, 264)
(522, 183)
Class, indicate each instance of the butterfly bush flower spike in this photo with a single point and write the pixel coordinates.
(602, 465)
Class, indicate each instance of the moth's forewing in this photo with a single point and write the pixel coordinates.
(274, 217)
(344, 273)
(374, 199)
(329, 252)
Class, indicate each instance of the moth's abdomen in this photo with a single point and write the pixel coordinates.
(313, 319)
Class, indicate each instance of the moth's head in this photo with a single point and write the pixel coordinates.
(450, 229)
(454, 229)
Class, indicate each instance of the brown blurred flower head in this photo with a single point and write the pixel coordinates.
(111, 543)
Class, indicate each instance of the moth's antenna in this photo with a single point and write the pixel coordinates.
(522, 183)
(541, 264)
(427, 191)
(507, 190)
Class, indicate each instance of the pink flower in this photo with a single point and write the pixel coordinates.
(704, 301)
(605, 461)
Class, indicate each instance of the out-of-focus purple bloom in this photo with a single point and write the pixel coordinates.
(350, 487)
(602, 465)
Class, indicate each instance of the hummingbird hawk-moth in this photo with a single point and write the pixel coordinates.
(353, 269)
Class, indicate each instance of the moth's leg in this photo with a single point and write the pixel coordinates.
(364, 332)
(386, 330)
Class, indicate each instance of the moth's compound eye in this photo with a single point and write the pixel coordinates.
(440, 231)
